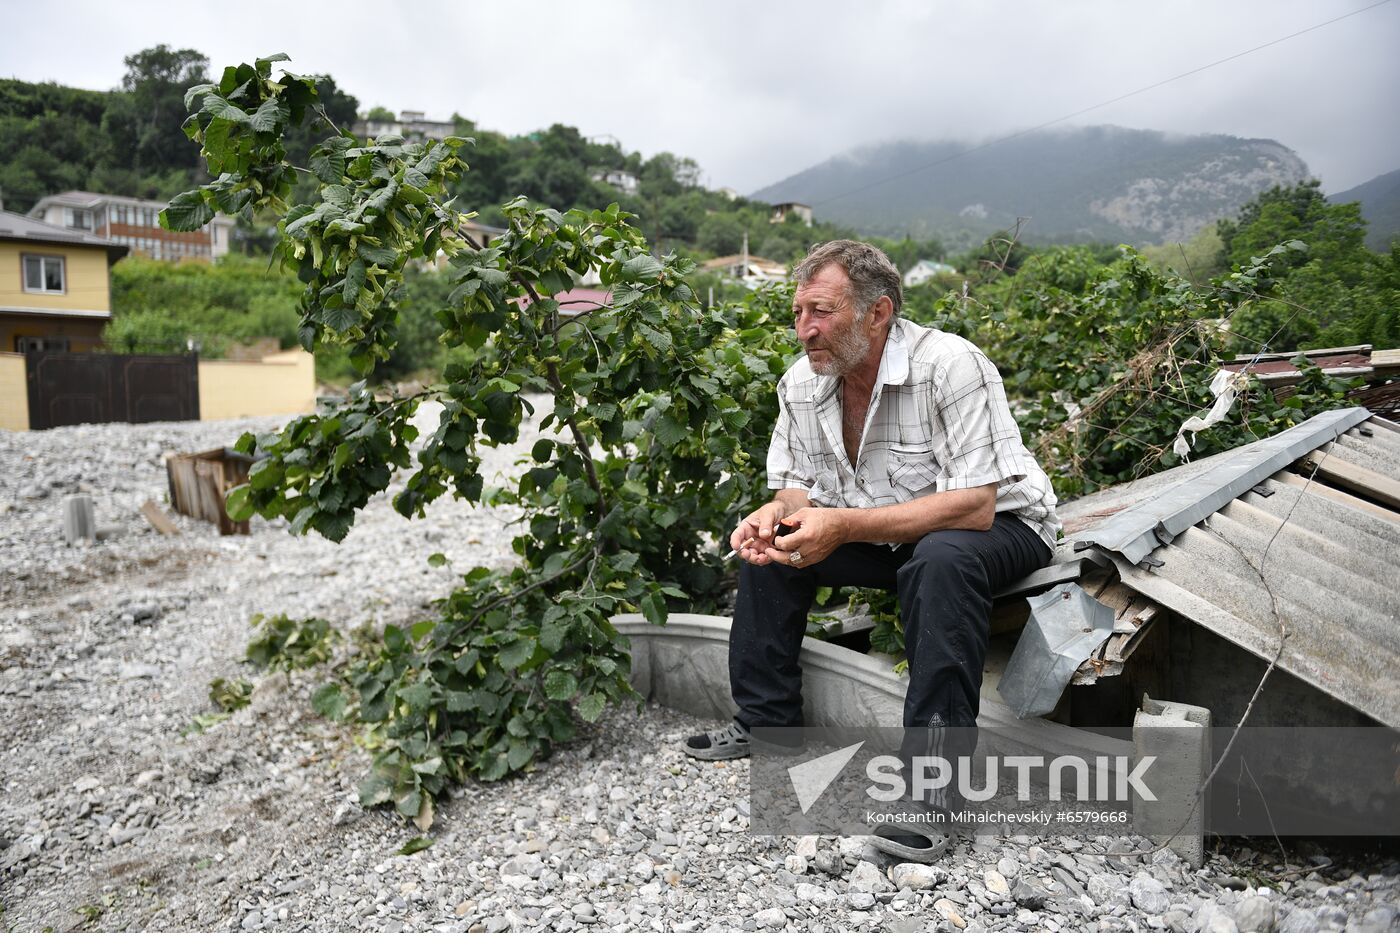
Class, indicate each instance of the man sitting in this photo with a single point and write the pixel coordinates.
(897, 465)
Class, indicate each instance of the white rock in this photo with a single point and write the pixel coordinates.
(996, 883)
(773, 918)
(866, 877)
(860, 900)
(1148, 895)
(1213, 918)
(949, 911)
(912, 876)
(1254, 915)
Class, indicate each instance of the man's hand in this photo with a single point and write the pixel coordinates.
(755, 534)
(817, 533)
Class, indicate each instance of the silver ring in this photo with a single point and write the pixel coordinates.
(795, 558)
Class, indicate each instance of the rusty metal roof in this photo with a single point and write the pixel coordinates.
(1329, 519)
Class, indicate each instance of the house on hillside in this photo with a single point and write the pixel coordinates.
(134, 223)
(923, 270)
(781, 212)
(411, 124)
(55, 285)
(751, 270)
(621, 179)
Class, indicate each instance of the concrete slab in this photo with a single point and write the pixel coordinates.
(684, 665)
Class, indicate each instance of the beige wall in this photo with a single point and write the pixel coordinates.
(87, 285)
(282, 384)
(14, 393)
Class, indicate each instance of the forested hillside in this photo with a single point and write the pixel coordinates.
(125, 141)
(129, 141)
(1380, 205)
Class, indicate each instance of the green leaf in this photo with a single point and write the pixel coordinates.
(217, 106)
(237, 505)
(642, 266)
(418, 697)
(437, 560)
(269, 115)
(341, 319)
(519, 754)
(187, 212)
(659, 340)
(196, 91)
(378, 255)
(669, 431)
(560, 685)
(354, 281)
(494, 769)
(409, 801)
(591, 707)
(375, 789)
(654, 609)
(516, 653)
(416, 844)
(329, 701)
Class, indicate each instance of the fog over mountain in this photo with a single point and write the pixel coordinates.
(1094, 183)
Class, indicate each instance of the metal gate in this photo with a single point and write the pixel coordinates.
(91, 388)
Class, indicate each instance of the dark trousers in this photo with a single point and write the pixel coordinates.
(945, 584)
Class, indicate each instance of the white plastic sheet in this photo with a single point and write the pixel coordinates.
(1225, 387)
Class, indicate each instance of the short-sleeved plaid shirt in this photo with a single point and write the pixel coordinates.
(938, 420)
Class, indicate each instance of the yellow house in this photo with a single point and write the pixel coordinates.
(55, 294)
(55, 286)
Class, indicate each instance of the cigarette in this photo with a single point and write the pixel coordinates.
(732, 554)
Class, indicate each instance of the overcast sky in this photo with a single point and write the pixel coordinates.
(757, 91)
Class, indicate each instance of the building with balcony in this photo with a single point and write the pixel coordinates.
(133, 223)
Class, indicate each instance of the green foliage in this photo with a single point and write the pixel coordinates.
(1103, 363)
(660, 410)
(1198, 260)
(1333, 293)
(284, 644)
(414, 845)
(155, 82)
(127, 141)
(230, 695)
(158, 306)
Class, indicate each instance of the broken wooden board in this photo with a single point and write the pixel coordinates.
(158, 519)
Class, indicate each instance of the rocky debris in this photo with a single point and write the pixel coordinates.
(113, 808)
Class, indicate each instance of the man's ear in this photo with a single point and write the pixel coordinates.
(880, 312)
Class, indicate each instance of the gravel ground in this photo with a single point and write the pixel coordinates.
(112, 819)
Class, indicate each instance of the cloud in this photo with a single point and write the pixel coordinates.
(755, 92)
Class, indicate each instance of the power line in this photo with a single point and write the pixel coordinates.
(1081, 112)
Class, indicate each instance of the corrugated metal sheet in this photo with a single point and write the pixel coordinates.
(1138, 529)
(1333, 565)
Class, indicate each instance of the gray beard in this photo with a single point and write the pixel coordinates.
(846, 354)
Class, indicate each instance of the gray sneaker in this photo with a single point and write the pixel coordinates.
(730, 742)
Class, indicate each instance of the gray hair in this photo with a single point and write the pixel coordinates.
(870, 271)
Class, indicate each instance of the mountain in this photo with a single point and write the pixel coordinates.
(1380, 205)
(1093, 183)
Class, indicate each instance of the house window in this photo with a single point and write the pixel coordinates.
(40, 344)
(77, 219)
(43, 274)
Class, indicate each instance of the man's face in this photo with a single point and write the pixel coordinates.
(836, 343)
